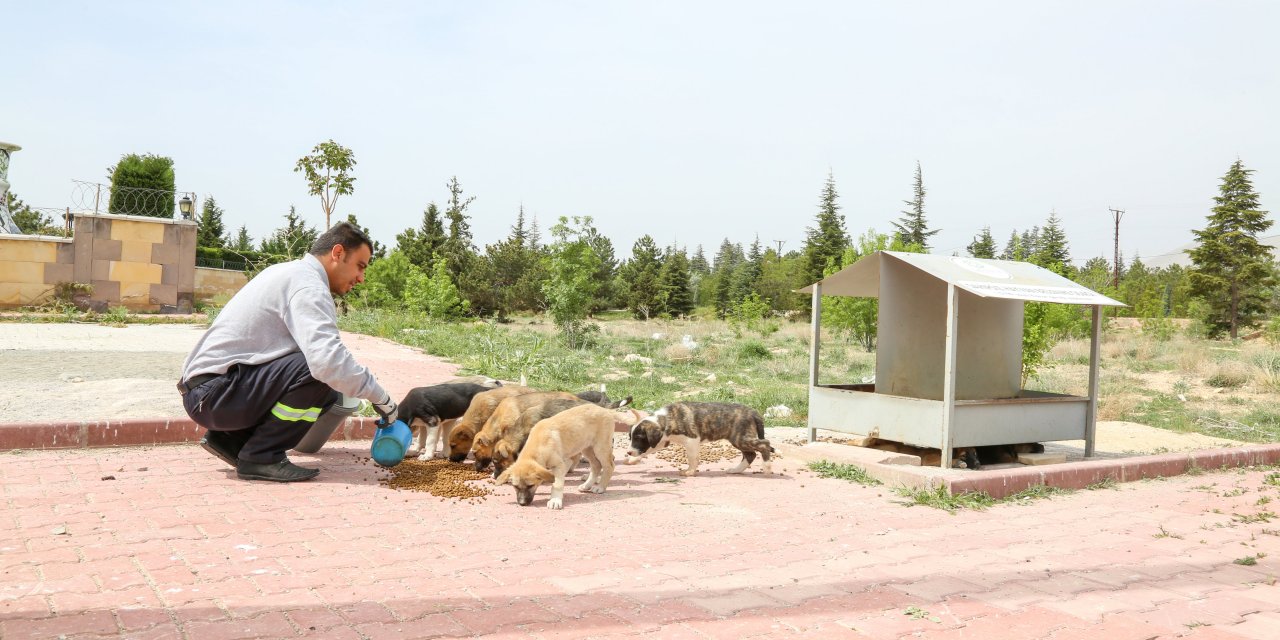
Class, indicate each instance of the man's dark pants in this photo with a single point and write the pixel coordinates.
(265, 409)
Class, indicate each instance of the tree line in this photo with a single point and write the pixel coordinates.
(577, 272)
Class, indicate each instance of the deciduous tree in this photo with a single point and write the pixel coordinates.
(328, 174)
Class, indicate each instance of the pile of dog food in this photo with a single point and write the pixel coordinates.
(439, 478)
(708, 452)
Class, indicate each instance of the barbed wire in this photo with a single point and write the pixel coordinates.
(93, 197)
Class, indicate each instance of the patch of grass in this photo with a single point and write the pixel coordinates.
(1227, 375)
(1261, 516)
(978, 500)
(1165, 534)
(1105, 483)
(1249, 561)
(1164, 411)
(938, 498)
(851, 473)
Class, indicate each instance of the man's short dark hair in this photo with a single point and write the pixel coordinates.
(344, 233)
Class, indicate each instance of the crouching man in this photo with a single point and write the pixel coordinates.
(273, 361)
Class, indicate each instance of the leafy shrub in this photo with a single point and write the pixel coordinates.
(435, 294)
(1227, 376)
(753, 350)
(1159, 328)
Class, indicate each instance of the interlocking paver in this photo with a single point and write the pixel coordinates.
(177, 547)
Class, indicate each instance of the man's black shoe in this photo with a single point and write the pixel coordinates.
(283, 471)
(216, 443)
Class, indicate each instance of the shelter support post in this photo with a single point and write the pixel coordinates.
(815, 343)
(1091, 414)
(949, 373)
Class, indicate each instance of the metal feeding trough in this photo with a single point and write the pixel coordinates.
(949, 355)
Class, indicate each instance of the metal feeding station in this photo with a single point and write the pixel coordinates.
(949, 355)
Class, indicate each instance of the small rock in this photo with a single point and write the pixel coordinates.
(60, 530)
(108, 477)
(710, 378)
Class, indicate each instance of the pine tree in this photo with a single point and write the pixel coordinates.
(911, 227)
(1051, 251)
(747, 274)
(675, 296)
(516, 271)
(242, 241)
(825, 242)
(209, 229)
(1231, 270)
(1030, 242)
(422, 245)
(641, 275)
(698, 263)
(983, 245)
(607, 272)
(727, 261)
(1014, 249)
(379, 250)
(292, 240)
(457, 248)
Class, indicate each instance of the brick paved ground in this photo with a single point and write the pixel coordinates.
(175, 547)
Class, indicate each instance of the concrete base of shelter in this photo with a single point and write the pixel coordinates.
(1001, 482)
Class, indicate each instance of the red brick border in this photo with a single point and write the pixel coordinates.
(1078, 475)
(132, 432)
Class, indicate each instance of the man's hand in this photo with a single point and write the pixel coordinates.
(386, 409)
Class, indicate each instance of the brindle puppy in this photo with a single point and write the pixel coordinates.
(691, 423)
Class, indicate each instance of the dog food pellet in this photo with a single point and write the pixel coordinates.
(439, 478)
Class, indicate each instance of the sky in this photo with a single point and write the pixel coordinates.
(689, 121)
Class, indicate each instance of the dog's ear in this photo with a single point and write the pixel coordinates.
(504, 450)
(503, 477)
(543, 475)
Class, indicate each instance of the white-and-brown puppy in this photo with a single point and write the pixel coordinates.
(553, 448)
(692, 423)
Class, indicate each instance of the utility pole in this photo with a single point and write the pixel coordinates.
(780, 243)
(1117, 214)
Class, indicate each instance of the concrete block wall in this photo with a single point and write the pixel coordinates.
(141, 263)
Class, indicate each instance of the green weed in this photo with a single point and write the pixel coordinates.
(852, 473)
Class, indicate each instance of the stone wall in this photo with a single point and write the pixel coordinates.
(218, 284)
(144, 264)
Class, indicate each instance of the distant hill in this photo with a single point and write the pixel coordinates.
(1179, 255)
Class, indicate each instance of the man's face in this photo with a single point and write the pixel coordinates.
(348, 268)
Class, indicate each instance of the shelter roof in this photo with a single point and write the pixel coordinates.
(1006, 279)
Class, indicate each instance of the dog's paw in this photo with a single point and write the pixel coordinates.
(689, 472)
(597, 489)
(631, 460)
(555, 503)
(424, 456)
(586, 486)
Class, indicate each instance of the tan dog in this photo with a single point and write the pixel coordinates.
(502, 439)
(553, 448)
(506, 415)
(458, 440)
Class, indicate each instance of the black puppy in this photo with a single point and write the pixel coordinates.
(430, 412)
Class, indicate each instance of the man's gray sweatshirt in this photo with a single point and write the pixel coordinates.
(286, 308)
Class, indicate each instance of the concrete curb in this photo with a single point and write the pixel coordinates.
(132, 432)
(1000, 483)
(152, 431)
